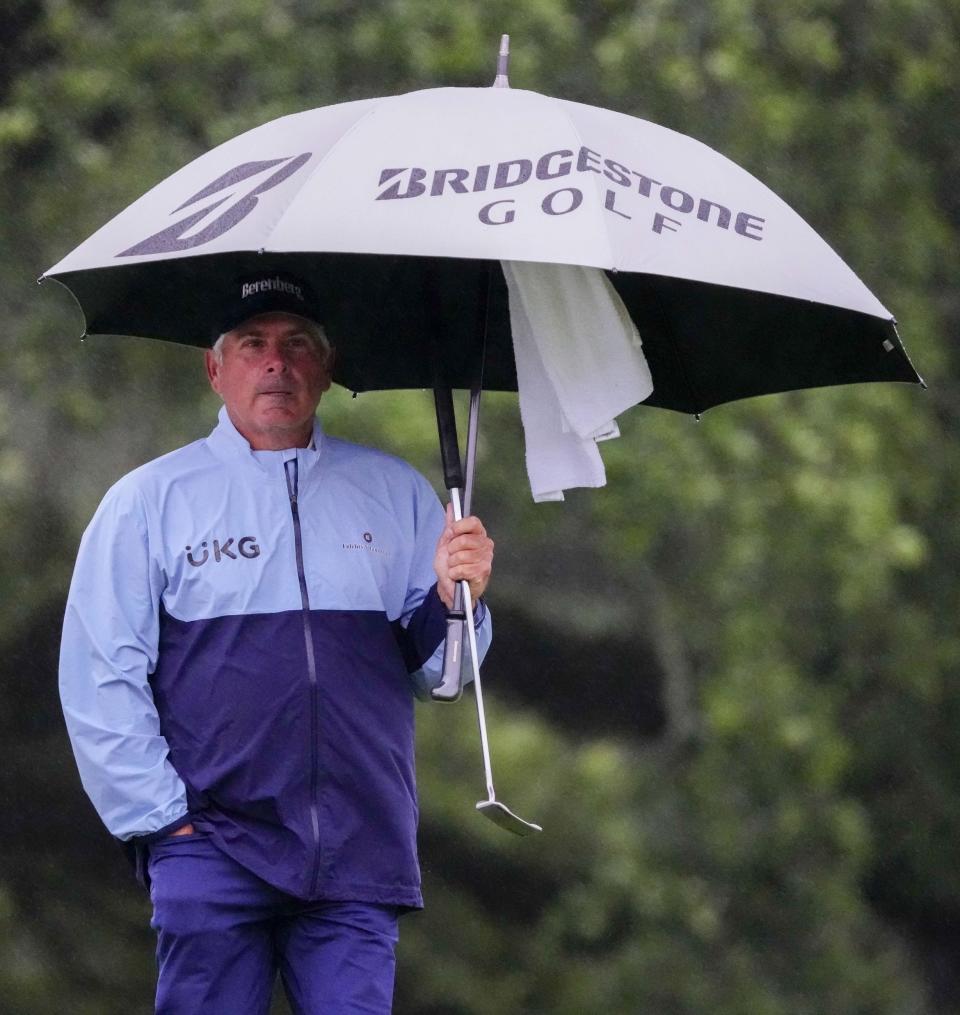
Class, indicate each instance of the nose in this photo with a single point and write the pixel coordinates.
(277, 359)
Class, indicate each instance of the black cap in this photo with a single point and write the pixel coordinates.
(264, 293)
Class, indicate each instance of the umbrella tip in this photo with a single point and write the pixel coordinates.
(503, 61)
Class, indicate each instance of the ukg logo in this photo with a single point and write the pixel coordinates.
(246, 546)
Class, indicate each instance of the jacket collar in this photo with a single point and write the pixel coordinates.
(229, 445)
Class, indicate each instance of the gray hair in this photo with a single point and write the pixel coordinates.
(314, 330)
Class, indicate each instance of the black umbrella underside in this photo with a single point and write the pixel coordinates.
(407, 322)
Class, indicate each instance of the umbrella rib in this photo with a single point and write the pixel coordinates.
(321, 160)
(476, 387)
(606, 236)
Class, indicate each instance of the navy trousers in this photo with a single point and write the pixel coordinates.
(223, 934)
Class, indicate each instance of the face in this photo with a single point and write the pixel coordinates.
(271, 377)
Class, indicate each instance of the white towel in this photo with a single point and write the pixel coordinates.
(580, 363)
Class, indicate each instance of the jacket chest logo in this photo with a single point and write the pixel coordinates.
(246, 546)
(367, 544)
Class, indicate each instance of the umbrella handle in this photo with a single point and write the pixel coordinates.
(451, 684)
(450, 687)
(447, 431)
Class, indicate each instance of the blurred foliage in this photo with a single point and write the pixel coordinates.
(779, 579)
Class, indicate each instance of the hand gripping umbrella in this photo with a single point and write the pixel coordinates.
(396, 209)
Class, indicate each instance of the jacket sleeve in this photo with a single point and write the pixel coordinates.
(108, 649)
(424, 616)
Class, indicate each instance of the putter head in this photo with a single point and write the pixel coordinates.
(505, 818)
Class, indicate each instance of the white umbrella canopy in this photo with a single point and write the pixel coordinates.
(393, 207)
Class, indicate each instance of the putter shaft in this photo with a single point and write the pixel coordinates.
(490, 808)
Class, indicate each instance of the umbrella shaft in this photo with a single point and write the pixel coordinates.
(473, 428)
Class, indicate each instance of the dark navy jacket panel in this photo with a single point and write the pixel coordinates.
(236, 711)
(368, 796)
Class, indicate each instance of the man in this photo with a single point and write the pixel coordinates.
(247, 621)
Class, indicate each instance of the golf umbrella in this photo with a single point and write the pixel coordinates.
(396, 209)
(393, 208)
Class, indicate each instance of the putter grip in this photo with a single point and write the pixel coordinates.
(450, 687)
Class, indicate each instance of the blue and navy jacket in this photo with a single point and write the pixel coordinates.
(243, 638)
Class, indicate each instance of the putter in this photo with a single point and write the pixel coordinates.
(461, 615)
(490, 808)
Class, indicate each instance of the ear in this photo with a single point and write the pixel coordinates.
(213, 370)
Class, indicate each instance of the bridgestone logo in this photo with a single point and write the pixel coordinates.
(266, 285)
(188, 232)
(576, 164)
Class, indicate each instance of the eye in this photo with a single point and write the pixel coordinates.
(299, 342)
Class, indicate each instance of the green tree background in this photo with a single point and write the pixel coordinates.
(726, 684)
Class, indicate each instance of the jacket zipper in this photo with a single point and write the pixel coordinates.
(292, 489)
